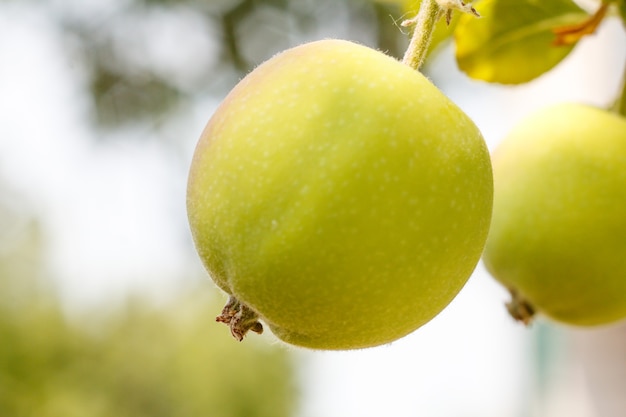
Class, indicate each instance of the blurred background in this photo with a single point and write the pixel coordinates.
(105, 308)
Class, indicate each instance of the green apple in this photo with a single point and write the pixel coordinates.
(339, 197)
(558, 233)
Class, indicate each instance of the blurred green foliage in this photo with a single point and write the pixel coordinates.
(137, 360)
(144, 59)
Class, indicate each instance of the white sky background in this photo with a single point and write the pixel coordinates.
(114, 213)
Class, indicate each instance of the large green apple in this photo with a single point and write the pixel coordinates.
(338, 196)
(558, 233)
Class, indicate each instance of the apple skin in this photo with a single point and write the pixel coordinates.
(558, 232)
(340, 196)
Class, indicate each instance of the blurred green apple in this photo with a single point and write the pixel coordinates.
(558, 233)
(339, 197)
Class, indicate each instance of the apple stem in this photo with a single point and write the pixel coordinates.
(424, 23)
(519, 308)
(240, 318)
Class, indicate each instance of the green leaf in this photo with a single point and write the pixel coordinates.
(514, 41)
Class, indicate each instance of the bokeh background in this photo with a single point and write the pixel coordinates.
(104, 307)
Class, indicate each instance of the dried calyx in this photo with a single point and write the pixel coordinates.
(240, 318)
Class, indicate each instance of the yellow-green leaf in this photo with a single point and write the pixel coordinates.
(514, 41)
